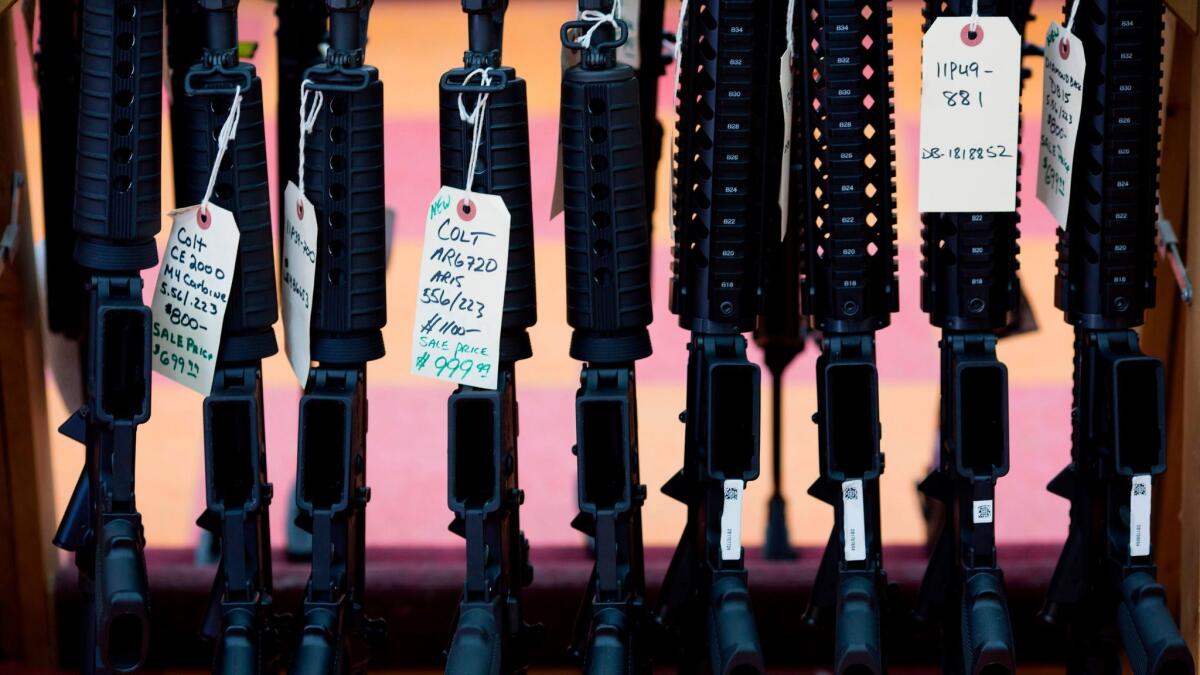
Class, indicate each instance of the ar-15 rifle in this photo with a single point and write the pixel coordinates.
(609, 309)
(490, 635)
(849, 291)
(344, 179)
(298, 37)
(239, 618)
(1104, 589)
(971, 291)
(722, 206)
(117, 214)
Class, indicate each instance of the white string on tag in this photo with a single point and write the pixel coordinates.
(1071, 16)
(678, 59)
(228, 132)
(308, 120)
(475, 119)
(974, 15)
(598, 19)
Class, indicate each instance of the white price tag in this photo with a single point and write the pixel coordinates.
(1062, 102)
(192, 293)
(785, 169)
(460, 295)
(970, 104)
(853, 522)
(1139, 515)
(630, 53)
(731, 520)
(983, 511)
(299, 275)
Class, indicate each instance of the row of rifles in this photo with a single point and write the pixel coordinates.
(774, 242)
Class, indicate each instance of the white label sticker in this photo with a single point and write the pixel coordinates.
(731, 520)
(192, 293)
(853, 522)
(970, 101)
(299, 273)
(785, 169)
(982, 511)
(1139, 515)
(460, 295)
(1062, 102)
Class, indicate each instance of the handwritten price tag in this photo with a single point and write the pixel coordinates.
(299, 275)
(1062, 102)
(460, 296)
(192, 293)
(785, 171)
(970, 103)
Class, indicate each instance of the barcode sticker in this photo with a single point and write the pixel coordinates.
(970, 107)
(982, 511)
(298, 275)
(853, 522)
(1139, 515)
(1062, 102)
(192, 293)
(731, 520)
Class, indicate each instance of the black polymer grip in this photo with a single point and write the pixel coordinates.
(502, 169)
(241, 187)
(117, 204)
(343, 178)
(1106, 255)
(718, 236)
(969, 268)
(607, 234)
(845, 79)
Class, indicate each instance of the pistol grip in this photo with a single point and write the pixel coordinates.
(858, 649)
(1148, 631)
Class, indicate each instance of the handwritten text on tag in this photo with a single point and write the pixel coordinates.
(785, 170)
(298, 276)
(460, 295)
(970, 102)
(1062, 102)
(192, 293)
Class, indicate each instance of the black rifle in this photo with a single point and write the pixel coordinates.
(302, 28)
(723, 204)
(344, 179)
(609, 309)
(652, 64)
(844, 127)
(970, 289)
(117, 214)
(1104, 590)
(490, 636)
(240, 616)
(58, 57)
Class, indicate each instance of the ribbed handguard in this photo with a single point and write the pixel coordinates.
(607, 234)
(343, 177)
(846, 84)
(1106, 256)
(117, 202)
(502, 169)
(241, 187)
(718, 233)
